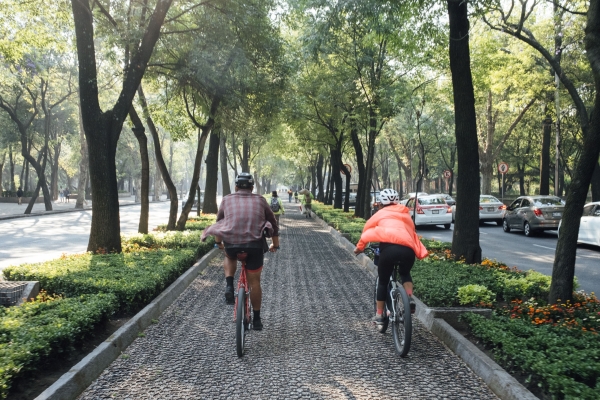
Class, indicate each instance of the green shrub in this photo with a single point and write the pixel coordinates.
(35, 330)
(135, 278)
(169, 240)
(195, 223)
(564, 362)
(475, 295)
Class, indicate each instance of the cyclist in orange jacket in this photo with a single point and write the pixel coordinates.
(399, 243)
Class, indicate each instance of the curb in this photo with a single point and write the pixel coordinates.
(498, 380)
(78, 378)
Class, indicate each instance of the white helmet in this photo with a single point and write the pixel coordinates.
(388, 196)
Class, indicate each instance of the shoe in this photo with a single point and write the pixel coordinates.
(257, 324)
(378, 320)
(229, 297)
(413, 306)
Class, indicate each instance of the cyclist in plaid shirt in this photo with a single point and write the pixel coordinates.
(240, 222)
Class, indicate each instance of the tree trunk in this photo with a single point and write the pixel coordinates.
(202, 135)
(320, 161)
(563, 271)
(102, 129)
(11, 163)
(83, 166)
(329, 191)
(545, 158)
(336, 167)
(212, 173)
(224, 170)
(347, 195)
(465, 241)
(139, 132)
(160, 161)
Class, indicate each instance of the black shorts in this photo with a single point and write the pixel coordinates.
(254, 259)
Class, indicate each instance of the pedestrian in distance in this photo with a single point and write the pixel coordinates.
(19, 195)
(290, 193)
(393, 227)
(276, 206)
(61, 196)
(242, 218)
(296, 196)
(67, 194)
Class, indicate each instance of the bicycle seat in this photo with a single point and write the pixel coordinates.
(242, 256)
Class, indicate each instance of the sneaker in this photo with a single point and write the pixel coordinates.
(229, 297)
(378, 319)
(413, 306)
(257, 324)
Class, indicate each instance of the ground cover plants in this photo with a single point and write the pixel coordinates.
(81, 291)
(556, 348)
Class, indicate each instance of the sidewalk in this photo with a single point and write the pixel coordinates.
(317, 341)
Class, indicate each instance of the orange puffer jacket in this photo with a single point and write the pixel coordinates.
(392, 224)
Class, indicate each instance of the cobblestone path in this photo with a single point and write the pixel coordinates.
(317, 340)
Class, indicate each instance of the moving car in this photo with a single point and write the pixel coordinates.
(491, 209)
(431, 210)
(449, 199)
(532, 214)
(589, 228)
(409, 196)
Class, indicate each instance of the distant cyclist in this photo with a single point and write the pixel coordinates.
(240, 222)
(399, 243)
(307, 202)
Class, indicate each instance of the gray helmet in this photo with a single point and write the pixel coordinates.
(244, 180)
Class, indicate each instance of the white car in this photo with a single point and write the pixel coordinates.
(431, 210)
(491, 209)
(409, 196)
(589, 228)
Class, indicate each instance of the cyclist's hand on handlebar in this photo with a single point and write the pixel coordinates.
(357, 251)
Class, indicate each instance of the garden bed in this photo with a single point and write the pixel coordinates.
(554, 350)
(83, 298)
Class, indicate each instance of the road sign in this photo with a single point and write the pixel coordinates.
(348, 167)
(447, 174)
(503, 168)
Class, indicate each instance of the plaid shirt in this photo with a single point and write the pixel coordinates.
(241, 217)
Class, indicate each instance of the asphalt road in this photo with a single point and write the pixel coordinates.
(525, 253)
(36, 239)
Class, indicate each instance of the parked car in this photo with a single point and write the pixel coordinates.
(449, 199)
(532, 214)
(589, 227)
(431, 210)
(409, 196)
(491, 209)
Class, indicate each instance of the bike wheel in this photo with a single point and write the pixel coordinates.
(240, 329)
(402, 324)
(381, 328)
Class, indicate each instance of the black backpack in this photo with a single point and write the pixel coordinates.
(274, 204)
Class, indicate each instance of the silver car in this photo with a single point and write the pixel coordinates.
(490, 209)
(532, 214)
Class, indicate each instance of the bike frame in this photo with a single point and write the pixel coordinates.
(242, 285)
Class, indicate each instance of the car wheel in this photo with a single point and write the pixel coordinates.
(527, 229)
(499, 222)
(505, 226)
(446, 226)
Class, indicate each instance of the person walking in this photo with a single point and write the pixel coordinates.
(290, 193)
(19, 195)
(60, 195)
(296, 196)
(276, 206)
(399, 244)
(241, 220)
(67, 194)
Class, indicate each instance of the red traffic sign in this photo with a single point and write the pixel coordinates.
(503, 168)
(348, 167)
(447, 174)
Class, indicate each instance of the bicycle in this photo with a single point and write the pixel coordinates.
(242, 311)
(397, 307)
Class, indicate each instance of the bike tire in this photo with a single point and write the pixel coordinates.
(402, 324)
(380, 328)
(240, 329)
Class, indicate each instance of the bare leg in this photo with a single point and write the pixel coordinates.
(255, 289)
(229, 266)
(408, 286)
(380, 305)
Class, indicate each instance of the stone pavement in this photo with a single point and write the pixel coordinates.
(317, 340)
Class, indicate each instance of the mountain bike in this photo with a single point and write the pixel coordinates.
(242, 311)
(397, 307)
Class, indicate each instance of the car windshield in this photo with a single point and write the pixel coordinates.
(488, 199)
(424, 201)
(547, 201)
